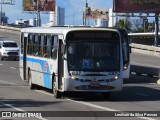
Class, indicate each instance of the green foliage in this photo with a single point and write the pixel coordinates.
(138, 30)
(124, 23)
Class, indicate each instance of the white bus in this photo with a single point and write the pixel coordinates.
(68, 59)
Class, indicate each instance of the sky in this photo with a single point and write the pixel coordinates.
(73, 10)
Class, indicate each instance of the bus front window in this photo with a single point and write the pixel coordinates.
(88, 56)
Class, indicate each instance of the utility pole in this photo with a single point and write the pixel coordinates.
(156, 30)
(85, 17)
(1, 13)
(38, 15)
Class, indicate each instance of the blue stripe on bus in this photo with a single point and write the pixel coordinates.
(46, 75)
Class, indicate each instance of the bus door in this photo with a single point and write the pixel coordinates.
(24, 40)
(60, 63)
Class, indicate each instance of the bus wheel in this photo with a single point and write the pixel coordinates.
(57, 94)
(106, 94)
(31, 85)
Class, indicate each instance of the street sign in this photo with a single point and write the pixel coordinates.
(136, 6)
(42, 5)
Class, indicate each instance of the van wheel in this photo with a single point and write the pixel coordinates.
(31, 85)
(57, 94)
(106, 94)
(1, 57)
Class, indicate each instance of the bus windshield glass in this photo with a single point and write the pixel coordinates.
(93, 54)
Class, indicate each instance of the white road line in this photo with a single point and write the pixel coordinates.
(105, 108)
(7, 86)
(142, 94)
(18, 109)
(141, 64)
(1, 64)
(12, 68)
(44, 92)
(94, 106)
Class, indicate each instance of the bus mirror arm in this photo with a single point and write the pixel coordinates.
(130, 49)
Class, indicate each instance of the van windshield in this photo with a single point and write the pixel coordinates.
(10, 44)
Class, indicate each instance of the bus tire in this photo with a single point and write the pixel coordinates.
(106, 94)
(56, 93)
(31, 86)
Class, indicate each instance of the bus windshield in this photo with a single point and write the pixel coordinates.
(93, 56)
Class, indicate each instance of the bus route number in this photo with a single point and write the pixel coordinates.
(75, 73)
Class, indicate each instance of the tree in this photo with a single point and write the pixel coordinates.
(124, 23)
(138, 30)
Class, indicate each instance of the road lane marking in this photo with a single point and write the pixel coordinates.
(1, 64)
(142, 94)
(18, 109)
(8, 82)
(105, 108)
(142, 64)
(12, 68)
(93, 105)
(8, 86)
(40, 91)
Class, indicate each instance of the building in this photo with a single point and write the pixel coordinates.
(32, 22)
(57, 17)
(101, 22)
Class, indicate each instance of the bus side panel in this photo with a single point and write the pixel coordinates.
(21, 67)
(126, 73)
(40, 72)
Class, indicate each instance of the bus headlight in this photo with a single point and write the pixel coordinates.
(125, 67)
(115, 78)
(74, 78)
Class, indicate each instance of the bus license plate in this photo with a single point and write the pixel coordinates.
(95, 85)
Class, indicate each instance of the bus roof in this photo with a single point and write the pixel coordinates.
(61, 29)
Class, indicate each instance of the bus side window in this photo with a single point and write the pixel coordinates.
(36, 45)
(54, 47)
(30, 44)
(42, 49)
(48, 47)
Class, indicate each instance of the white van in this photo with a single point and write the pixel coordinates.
(9, 50)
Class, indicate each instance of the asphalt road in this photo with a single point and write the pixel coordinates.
(15, 96)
